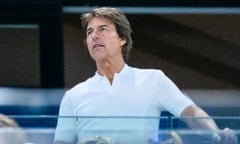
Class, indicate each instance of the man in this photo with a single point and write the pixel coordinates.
(119, 97)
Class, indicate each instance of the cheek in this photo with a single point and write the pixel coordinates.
(115, 41)
(88, 43)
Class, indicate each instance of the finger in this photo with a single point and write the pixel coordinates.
(230, 136)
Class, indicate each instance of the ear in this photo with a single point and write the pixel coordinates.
(122, 42)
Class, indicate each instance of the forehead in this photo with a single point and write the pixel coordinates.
(99, 21)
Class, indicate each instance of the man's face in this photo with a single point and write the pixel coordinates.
(103, 41)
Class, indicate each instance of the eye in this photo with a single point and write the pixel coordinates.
(103, 28)
(88, 32)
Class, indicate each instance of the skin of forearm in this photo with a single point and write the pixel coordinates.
(198, 119)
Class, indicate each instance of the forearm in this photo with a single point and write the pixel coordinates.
(200, 120)
(196, 118)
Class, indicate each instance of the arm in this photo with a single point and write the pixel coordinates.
(204, 123)
(227, 135)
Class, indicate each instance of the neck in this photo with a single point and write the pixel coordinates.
(109, 68)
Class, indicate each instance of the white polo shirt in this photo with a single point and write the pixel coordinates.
(133, 103)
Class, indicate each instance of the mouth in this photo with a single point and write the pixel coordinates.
(97, 46)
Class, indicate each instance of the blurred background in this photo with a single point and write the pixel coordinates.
(196, 44)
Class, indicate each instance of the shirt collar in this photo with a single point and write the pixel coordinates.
(124, 71)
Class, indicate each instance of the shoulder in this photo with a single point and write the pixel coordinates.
(148, 72)
(148, 75)
(79, 88)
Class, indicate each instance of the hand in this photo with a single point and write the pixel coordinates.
(226, 136)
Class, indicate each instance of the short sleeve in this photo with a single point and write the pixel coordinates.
(171, 97)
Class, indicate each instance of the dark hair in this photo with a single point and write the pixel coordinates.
(120, 21)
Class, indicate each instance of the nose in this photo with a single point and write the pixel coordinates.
(95, 35)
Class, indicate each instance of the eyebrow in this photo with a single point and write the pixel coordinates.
(104, 25)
